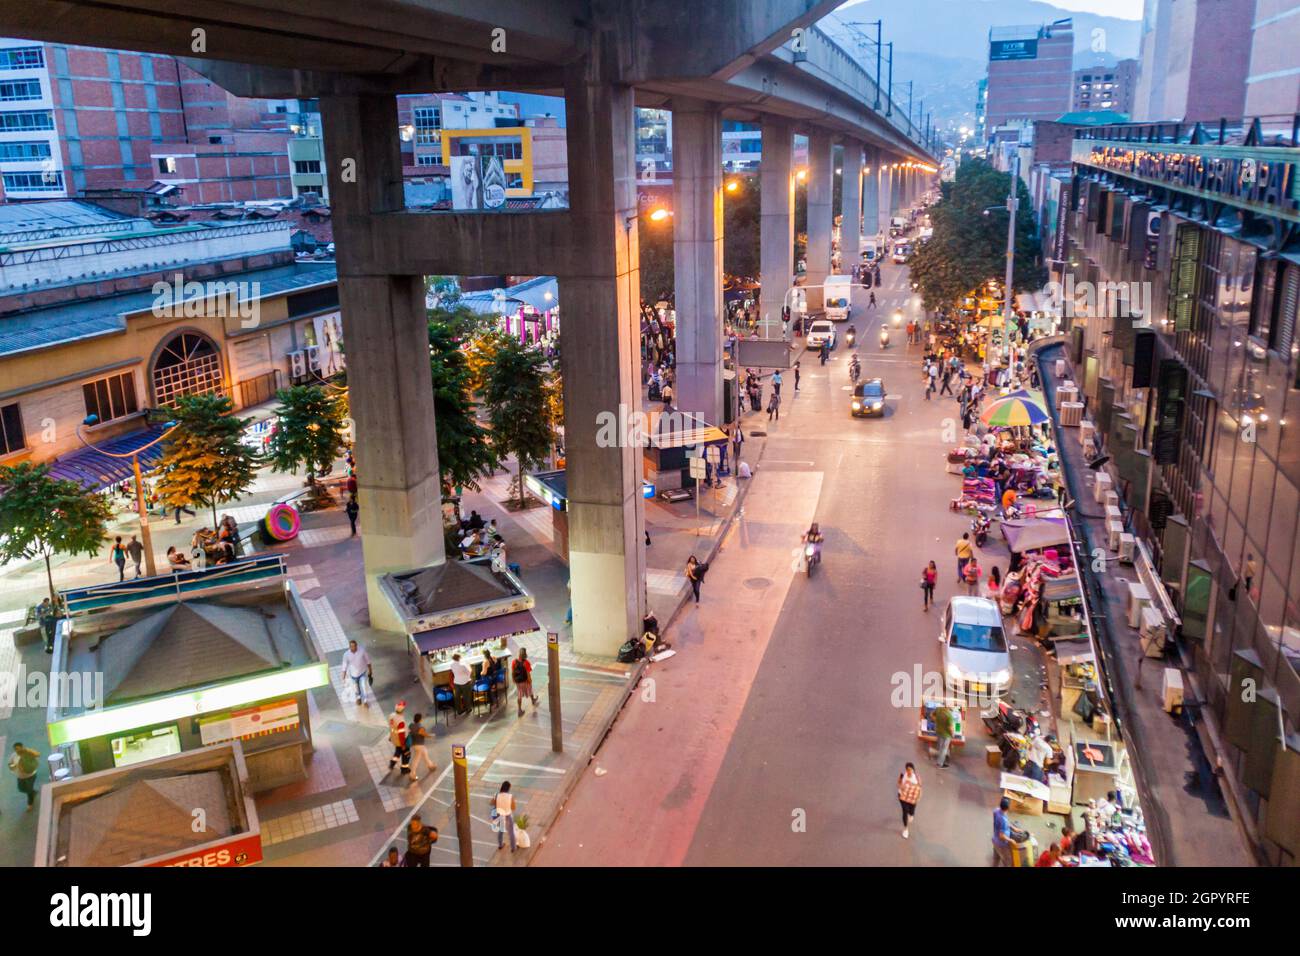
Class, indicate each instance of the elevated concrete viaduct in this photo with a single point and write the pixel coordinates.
(758, 60)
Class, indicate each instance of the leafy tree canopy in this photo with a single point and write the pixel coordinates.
(309, 429)
(205, 461)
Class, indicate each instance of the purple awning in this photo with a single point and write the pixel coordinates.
(484, 629)
(94, 470)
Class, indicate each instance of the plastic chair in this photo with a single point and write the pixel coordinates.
(445, 703)
(482, 695)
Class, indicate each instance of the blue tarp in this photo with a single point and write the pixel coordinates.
(95, 470)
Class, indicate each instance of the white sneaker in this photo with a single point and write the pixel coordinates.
(904, 833)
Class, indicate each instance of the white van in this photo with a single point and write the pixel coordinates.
(837, 294)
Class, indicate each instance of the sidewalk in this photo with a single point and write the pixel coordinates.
(1182, 792)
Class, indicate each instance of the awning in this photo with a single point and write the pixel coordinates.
(1059, 589)
(472, 632)
(1034, 534)
(94, 470)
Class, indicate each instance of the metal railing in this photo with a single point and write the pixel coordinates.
(172, 586)
(1275, 130)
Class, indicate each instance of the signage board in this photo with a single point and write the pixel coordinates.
(1013, 50)
(238, 851)
(697, 467)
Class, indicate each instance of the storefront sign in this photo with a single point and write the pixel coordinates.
(1242, 178)
(1013, 50)
(240, 851)
(249, 722)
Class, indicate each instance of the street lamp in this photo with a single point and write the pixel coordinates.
(659, 214)
(733, 185)
(145, 538)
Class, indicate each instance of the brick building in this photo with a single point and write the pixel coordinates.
(1195, 58)
(1030, 73)
(1103, 87)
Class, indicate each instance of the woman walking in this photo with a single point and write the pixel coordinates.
(695, 574)
(522, 672)
(503, 808)
(909, 795)
(119, 558)
(994, 585)
(929, 575)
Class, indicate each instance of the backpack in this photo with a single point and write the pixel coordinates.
(631, 651)
(520, 672)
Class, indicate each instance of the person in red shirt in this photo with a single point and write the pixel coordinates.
(1051, 856)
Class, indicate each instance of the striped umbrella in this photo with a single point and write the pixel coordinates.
(1009, 412)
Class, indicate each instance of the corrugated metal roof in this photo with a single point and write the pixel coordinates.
(73, 321)
(54, 214)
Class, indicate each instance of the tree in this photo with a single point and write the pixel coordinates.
(517, 401)
(465, 449)
(740, 225)
(309, 430)
(206, 461)
(41, 516)
(655, 240)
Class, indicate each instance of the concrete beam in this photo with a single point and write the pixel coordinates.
(473, 243)
(697, 256)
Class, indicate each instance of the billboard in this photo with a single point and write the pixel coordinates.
(1013, 50)
(477, 182)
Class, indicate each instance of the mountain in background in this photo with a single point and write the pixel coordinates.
(942, 45)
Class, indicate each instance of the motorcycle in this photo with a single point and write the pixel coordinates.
(812, 556)
(979, 527)
(1003, 719)
(884, 338)
(850, 336)
(855, 370)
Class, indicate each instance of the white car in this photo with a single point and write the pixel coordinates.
(976, 662)
(822, 330)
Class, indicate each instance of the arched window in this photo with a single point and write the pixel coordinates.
(187, 364)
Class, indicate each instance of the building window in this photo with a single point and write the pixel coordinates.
(49, 181)
(427, 159)
(110, 398)
(428, 120)
(28, 119)
(11, 430)
(166, 164)
(22, 58)
(189, 364)
(306, 166)
(25, 152)
(20, 90)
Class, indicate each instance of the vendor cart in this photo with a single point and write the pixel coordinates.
(925, 725)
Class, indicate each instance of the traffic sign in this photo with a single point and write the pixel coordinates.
(698, 468)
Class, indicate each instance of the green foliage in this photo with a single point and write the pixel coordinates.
(968, 248)
(655, 240)
(205, 461)
(41, 516)
(465, 449)
(518, 404)
(309, 429)
(740, 227)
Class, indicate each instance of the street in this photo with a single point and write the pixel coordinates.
(772, 738)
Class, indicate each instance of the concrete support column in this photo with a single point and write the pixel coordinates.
(886, 195)
(821, 191)
(600, 361)
(851, 214)
(871, 193)
(776, 218)
(697, 256)
(896, 190)
(384, 324)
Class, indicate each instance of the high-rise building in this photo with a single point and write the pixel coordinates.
(1104, 87)
(1030, 73)
(1273, 84)
(1195, 58)
(76, 118)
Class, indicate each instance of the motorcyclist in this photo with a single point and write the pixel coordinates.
(855, 368)
(813, 536)
(824, 352)
(884, 337)
(851, 335)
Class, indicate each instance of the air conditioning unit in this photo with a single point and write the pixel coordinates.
(1153, 632)
(313, 357)
(1086, 432)
(1171, 691)
(1071, 414)
(297, 365)
(1127, 545)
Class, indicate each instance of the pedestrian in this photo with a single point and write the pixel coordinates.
(871, 299)
(118, 555)
(825, 351)
(929, 576)
(964, 553)
(667, 393)
(994, 585)
(943, 730)
(462, 682)
(419, 842)
(1002, 830)
(796, 376)
(352, 510)
(417, 736)
(695, 572)
(394, 859)
(47, 617)
(398, 737)
(932, 373)
(909, 795)
(136, 550)
(24, 762)
(358, 669)
(352, 483)
(971, 573)
(776, 382)
(946, 388)
(774, 406)
(503, 816)
(1250, 570)
(179, 509)
(966, 420)
(737, 439)
(521, 671)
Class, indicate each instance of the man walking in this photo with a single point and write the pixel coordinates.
(418, 739)
(774, 406)
(943, 730)
(964, 553)
(179, 509)
(24, 762)
(136, 550)
(796, 376)
(397, 736)
(358, 669)
(1002, 841)
(419, 842)
(352, 510)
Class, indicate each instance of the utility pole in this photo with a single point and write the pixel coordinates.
(879, 27)
(889, 109)
(1008, 313)
(909, 105)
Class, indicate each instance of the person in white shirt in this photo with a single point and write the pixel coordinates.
(742, 471)
(1041, 751)
(357, 668)
(504, 804)
(462, 682)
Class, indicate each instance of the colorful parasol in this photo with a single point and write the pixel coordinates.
(1010, 412)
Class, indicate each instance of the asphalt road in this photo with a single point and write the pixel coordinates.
(810, 772)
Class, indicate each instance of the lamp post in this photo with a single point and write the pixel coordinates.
(146, 539)
(1008, 312)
